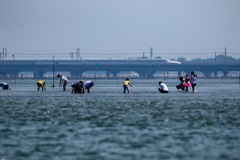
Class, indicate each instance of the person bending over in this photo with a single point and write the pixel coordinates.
(4, 86)
(41, 84)
(88, 85)
(63, 81)
(78, 87)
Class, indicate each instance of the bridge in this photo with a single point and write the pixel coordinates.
(145, 68)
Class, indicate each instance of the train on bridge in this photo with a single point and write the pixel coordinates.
(105, 61)
(145, 68)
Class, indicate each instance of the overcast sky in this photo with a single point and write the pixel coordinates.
(124, 28)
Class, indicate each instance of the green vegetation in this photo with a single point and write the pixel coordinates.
(219, 59)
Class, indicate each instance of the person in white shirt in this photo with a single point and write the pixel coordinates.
(63, 81)
(162, 87)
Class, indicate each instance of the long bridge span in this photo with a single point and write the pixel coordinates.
(145, 68)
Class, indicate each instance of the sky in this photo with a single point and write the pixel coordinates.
(120, 29)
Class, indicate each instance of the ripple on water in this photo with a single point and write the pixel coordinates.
(111, 125)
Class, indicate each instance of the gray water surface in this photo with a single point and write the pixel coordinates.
(110, 125)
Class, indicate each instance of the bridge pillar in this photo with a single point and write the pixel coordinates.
(225, 74)
(142, 75)
(179, 73)
(215, 74)
(188, 72)
(150, 75)
(3, 74)
(11, 74)
(76, 74)
(114, 74)
(38, 74)
(147, 74)
(110, 74)
(73, 74)
(207, 74)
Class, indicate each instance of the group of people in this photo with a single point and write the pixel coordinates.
(81, 86)
(162, 87)
(78, 87)
(185, 83)
(188, 82)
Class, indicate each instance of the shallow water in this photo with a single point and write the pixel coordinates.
(110, 125)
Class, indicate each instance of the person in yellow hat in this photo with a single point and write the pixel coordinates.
(42, 85)
(126, 85)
